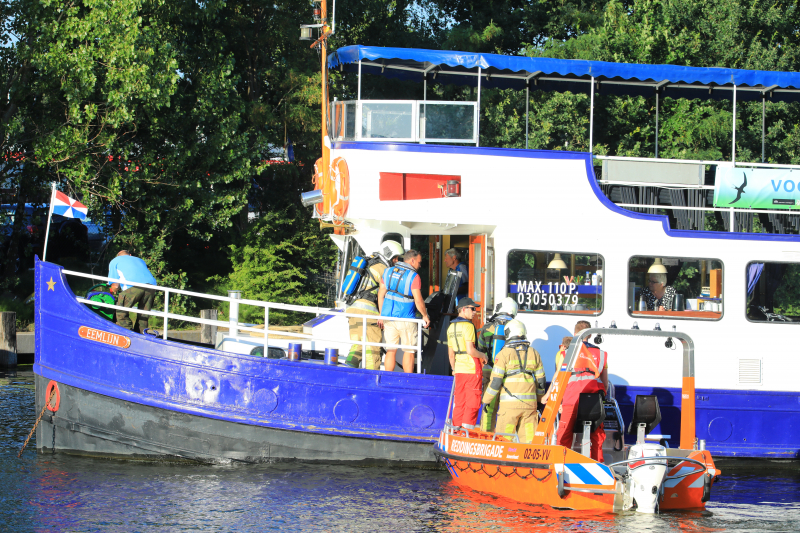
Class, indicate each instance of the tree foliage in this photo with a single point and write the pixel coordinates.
(165, 117)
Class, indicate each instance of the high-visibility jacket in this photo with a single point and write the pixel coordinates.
(398, 301)
(589, 364)
(369, 290)
(459, 333)
(518, 376)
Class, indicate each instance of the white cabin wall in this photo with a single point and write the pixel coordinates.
(540, 203)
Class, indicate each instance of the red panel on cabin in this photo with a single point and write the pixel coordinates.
(396, 186)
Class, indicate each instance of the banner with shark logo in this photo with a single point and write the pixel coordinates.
(757, 188)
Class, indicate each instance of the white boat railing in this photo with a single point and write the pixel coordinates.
(267, 306)
(731, 211)
(693, 161)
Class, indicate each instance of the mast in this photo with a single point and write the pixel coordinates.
(326, 141)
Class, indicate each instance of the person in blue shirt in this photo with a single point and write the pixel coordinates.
(400, 296)
(126, 267)
(452, 259)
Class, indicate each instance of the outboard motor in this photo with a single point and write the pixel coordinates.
(647, 477)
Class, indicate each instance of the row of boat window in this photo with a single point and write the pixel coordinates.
(546, 281)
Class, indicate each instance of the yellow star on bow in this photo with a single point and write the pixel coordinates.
(51, 284)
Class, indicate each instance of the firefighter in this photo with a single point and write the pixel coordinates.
(491, 338)
(518, 379)
(366, 303)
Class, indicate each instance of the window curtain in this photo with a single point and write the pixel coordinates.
(754, 271)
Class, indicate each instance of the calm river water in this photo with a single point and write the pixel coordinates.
(63, 493)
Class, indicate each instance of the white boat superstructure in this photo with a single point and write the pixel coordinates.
(549, 229)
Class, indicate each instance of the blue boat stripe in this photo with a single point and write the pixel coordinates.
(582, 474)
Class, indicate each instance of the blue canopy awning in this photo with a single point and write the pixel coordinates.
(573, 75)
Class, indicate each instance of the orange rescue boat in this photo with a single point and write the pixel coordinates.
(647, 476)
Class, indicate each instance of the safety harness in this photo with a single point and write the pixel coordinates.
(520, 346)
(458, 350)
(370, 294)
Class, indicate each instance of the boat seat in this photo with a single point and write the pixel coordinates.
(646, 416)
(591, 413)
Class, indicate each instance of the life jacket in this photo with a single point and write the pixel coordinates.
(457, 324)
(589, 363)
(397, 280)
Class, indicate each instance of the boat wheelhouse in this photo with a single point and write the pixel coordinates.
(576, 236)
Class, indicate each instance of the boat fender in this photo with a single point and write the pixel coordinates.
(561, 491)
(706, 488)
(52, 387)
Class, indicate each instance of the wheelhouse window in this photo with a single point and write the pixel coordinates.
(561, 282)
(773, 292)
(675, 287)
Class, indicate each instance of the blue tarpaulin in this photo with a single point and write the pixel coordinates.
(573, 75)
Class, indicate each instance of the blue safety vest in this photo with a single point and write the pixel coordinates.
(399, 302)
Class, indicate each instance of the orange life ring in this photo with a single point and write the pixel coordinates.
(340, 201)
(50, 387)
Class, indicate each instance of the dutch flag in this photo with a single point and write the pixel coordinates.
(68, 207)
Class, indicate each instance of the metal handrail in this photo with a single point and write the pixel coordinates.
(165, 314)
(718, 209)
(693, 161)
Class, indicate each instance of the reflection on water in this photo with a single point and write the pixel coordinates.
(62, 493)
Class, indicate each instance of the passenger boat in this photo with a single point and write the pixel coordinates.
(539, 225)
(646, 476)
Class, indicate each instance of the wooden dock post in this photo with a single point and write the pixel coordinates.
(208, 333)
(8, 339)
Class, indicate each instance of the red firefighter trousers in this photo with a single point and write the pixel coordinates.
(469, 388)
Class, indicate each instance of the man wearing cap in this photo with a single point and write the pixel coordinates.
(467, 363)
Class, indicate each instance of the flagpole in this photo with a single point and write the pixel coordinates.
(49, 216)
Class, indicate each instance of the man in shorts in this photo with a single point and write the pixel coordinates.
(400, 296)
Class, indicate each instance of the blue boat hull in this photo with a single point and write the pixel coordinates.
(155, 397)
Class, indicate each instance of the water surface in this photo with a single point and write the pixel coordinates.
(65, 493)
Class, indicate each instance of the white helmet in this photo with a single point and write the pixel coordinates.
(515, 328)
(391, 249)
(508, 306)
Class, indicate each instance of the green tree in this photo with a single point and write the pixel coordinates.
(276, 261)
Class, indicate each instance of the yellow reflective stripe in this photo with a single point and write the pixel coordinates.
(364, 305)
(519, 398)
